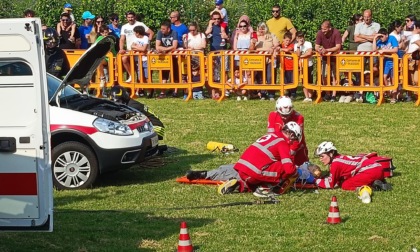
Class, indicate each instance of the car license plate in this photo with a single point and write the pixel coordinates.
(154, 141)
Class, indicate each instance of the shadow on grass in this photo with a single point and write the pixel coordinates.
(76, 230)
(160, 168)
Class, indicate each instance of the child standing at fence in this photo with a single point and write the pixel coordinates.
(197, 91)
(303, 49)
(288, 47)
(141, 45)
(385, 44)
(236, 84)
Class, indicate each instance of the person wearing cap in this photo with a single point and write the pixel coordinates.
(68, 8)
(265, 162)
(223, 13)
(86, 28)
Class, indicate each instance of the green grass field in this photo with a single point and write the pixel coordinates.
(140, 209)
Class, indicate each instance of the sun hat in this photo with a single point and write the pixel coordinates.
(68, 6)
(87, 15)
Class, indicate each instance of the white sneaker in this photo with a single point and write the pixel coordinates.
(128, 79)
(272, 99)
(365, 197)
(264, 192)
(238, 98)
(307, 100)
(102, 82)
(342, 98)
(245, 99)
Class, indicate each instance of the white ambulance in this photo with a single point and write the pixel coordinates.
(26, 200)
(91, 136)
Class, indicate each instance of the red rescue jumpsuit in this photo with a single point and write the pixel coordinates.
(351, 172)
(299, 151)
(267, 160)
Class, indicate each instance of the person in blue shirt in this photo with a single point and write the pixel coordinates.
(385, 44)
(86, 28)
(177, 26)
(115, 28)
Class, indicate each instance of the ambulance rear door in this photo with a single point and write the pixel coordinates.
(26, 193)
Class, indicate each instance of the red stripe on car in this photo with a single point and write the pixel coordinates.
(18, 184)
(84, 129)
(136, 125)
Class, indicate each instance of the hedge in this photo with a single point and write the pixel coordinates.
(306, 15)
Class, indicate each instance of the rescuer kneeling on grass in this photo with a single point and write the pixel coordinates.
(350, 172)
(267, 162)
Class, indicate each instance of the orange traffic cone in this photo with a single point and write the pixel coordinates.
(184, 244)
(334, 214)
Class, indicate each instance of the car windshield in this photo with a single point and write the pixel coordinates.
(54, 84)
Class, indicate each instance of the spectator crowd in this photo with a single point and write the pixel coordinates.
(277, 34)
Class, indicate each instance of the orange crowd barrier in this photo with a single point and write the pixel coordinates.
(257, 71)
(173, 71)
(74, 55)
(348, 64)
(162, 71)
(410, 71)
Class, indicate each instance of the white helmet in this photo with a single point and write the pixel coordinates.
(324, 147)
(295, 129)
(284, 105)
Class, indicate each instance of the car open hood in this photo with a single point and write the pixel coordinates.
(81, 73)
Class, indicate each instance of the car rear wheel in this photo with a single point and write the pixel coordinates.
(74, 166)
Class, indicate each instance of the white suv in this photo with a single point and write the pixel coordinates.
(90, 136)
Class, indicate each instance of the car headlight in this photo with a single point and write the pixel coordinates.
(148, 126)
(111, 127)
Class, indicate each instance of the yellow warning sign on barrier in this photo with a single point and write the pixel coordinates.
(350, 63)
(160, 61)
(252, 61)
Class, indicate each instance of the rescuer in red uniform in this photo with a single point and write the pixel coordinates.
(266, 162)
(350, 172)
(277, 119)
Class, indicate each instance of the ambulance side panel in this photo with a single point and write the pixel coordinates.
(26, 192)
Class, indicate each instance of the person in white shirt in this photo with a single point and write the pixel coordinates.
(365, 32)
(413, 48)
(128, 37)
(304, 50)
(194, 39)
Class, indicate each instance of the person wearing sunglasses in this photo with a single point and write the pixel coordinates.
(69, 25)
(279, 25)
(115, 29)
(95, 32)
(68, 34)
(217, 36)
(409, 26)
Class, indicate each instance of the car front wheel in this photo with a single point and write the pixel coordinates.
(74, 166)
